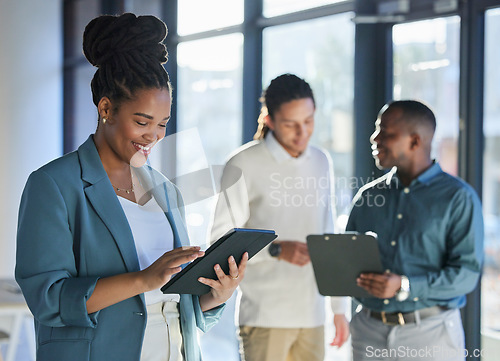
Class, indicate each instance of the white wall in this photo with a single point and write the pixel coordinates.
(30, 104)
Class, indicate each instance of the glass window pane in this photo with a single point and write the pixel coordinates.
(491, 186)
(209, 117)
(144, 7)
(209, 15)
(280, 7)
(426, 68)
(325, 61)
(209, 113)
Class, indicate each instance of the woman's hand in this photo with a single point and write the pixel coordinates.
(114, 289)
(224, 286)
(160, 272)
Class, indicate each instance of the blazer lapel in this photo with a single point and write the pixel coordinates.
(180, 233)
(101, 195)
(107, 206)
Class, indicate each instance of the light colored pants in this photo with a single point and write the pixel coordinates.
(282, 344)
(439, 338)
(162, 339)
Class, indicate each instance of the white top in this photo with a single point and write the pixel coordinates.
(269, 189)
(153, 237)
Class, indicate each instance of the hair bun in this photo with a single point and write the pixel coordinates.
(107, 37)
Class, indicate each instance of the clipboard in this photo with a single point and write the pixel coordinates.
(235, 242)
(338, 259)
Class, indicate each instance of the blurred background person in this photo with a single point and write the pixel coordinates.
(281, 182)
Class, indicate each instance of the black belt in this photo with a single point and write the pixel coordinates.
(402, 318)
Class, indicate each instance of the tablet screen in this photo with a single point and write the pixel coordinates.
(235, 242)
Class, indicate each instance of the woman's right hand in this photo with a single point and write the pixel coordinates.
(160, 272)
(114, 289)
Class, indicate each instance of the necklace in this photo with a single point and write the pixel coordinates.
(128, 191)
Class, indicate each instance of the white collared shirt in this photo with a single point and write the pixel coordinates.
(265, 187)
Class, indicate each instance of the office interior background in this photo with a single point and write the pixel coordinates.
(357, 55)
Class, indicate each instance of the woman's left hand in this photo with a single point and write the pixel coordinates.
(223, 288)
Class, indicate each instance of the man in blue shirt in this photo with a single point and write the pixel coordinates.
(430, 234)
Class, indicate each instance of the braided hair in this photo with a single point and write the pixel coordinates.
(282, 89)
(129, 54)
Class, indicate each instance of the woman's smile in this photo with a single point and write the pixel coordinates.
(144, 149)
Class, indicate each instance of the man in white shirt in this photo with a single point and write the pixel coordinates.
(280, 182)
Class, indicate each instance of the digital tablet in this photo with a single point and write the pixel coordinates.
(235, 242)
(339, 259)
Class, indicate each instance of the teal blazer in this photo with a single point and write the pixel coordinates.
(72, 231)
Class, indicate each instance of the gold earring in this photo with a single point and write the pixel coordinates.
(104, 120)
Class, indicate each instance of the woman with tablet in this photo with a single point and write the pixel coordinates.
(100, 231)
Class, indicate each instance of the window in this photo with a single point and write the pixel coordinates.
(209, 101)
(426, 68)
(201, 15)
(280, 7)
(145, 7)
(491, 181)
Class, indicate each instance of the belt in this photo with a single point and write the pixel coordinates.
(402, 318)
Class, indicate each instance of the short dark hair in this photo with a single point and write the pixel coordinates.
(415, 112)
(129, 54)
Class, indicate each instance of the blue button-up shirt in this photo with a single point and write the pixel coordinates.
(431, 231)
